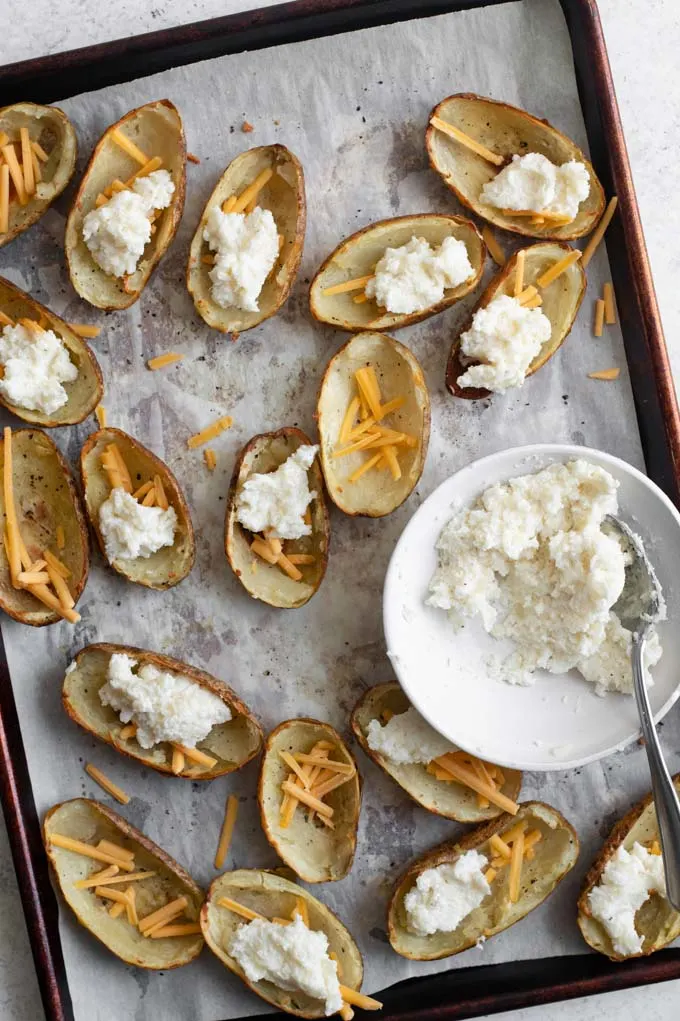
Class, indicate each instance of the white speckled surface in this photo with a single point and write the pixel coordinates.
(643, 38)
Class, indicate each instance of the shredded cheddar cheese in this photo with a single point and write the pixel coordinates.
(160, 361)
(4, 198)
(495, 250)
(85, 330)
(210, 459)
(128, 146)
(598, 322)
(558, 268)
(27, 161)
(211, 432)
(519, 272)
(16, 174)
(227, 831)
(598, 233)
(469, 143)
(609, 307)
(79, 847)
(357, 284)
(605, 374)
(163, 915)
(249, 193)
(465, 775)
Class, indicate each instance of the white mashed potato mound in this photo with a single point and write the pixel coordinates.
(530, 559)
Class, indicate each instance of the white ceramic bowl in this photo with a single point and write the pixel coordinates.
(558, 722)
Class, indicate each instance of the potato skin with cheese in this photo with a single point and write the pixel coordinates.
(561, 302)
(284, 196)
(89, 821)
(357, 257)
(315, 853)
(508, 131)
(657, 921)
(274, 896)
(170, 564)
(233, 744)
(450, 800)
(45, 496)
(375, 493)
(555, 855)
(261, 580)
(157, 129)
(85, 392)
(52, 130)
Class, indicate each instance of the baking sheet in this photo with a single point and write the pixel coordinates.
(354, 109)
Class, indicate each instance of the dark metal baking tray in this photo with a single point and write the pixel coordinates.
(465, 992)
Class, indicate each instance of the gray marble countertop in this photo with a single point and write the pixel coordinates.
(643, 38)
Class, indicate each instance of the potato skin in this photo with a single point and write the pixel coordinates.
(436, 225)
(200, 677)
(366, 497)
(499, 285)
(271, 894)
(455, 802)
(449, 851)
(242, 171)
(55, 177)
(507, 130)
(341, 842)
(60, 485)
(89, 280)
(179, 560)
(267, 582)
(87, 390)
(151, 960)
(617, 836)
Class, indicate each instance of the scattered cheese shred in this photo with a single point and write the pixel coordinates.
(599, 231)
(110, 876)
(288, 568)
(4, 198)
(469, 143)
(520, 259)
(108, 785)
(366, 466)
(239, 909)
(249, 193)
(609, 307)
(464, 775)
(558, 268)
(348, 420)
(61, 588)
(131, 906)
(527, 294)
(499, 845)
(598, 321)
(161, 498)
(301, 910)
(211, 432)
(15, 173)
(160, 361)
(534, 302)
(128, 146)
(69, 844)
(85, 330)
(166, 931)
(357, 999)
(10, 510)
(193, 158)
(117, 895)
(37, 172)
(177, 761)
(26, 578)
(195, 755)
(116, 910)
(495, 250)
(227, 831)
(357, 284)
(27, 161)
(516, 867)
(210, 459)
(40, 152)
(606, 374)
(163, 915)
(128, 732)
(307, 799)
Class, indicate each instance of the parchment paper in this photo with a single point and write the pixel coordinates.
(354, 109)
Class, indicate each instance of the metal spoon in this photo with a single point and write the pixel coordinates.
(639, 607)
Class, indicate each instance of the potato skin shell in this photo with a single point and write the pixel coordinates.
(129, 832)
(231, 321)
(25, 216)
(118, 297)
(13, 298)
(454, 365)
(41, 615)
(330, 734)
(537, 127)
(594, 875)
(449, 850)
(175, 497)
(458, 811)
(273, 882)
(168, 663)
(320, 519)
(400, 320)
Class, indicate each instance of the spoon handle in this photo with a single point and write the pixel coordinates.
(665, 795)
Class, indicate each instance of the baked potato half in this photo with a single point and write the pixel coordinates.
(156, 130)
(85, 392)
(89, 822)
(267, 581)
(168, 565)
(561, 302)
(375, 492)
(357, 256)
(46, 503)
(507, 131)
(232, 744)
(273, 896)
(657, 921)
(317, 853)
(450, 800)
(284, 195)
(54, 144)
(554, 855)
